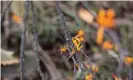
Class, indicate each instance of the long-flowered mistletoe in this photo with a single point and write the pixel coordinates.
(74, 46)
(71, 47)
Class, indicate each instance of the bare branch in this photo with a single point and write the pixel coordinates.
(4, 12)
(23, 41)
(35, 39)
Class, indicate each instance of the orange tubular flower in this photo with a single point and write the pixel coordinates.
(80, 33)
(100, 34)
(79, 36)
(79, 47)
(89, 77)
(81, 39)
(128, 60)
(75, 42)
(107, 45)
(101, 17)
(78, 40)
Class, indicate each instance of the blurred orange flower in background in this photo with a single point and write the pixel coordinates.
(95, 68)
(100, 35)
(128, 60)
(88, 77)
(111, 13)
(16, 18)
(105, 18)
(107, 45)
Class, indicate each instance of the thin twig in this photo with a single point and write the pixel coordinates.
(36, 40)
(4, 12)
(23, 37)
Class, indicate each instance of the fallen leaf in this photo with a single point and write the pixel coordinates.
(7, 57)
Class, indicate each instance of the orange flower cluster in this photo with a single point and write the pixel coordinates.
(78, 39)
(105, 19)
